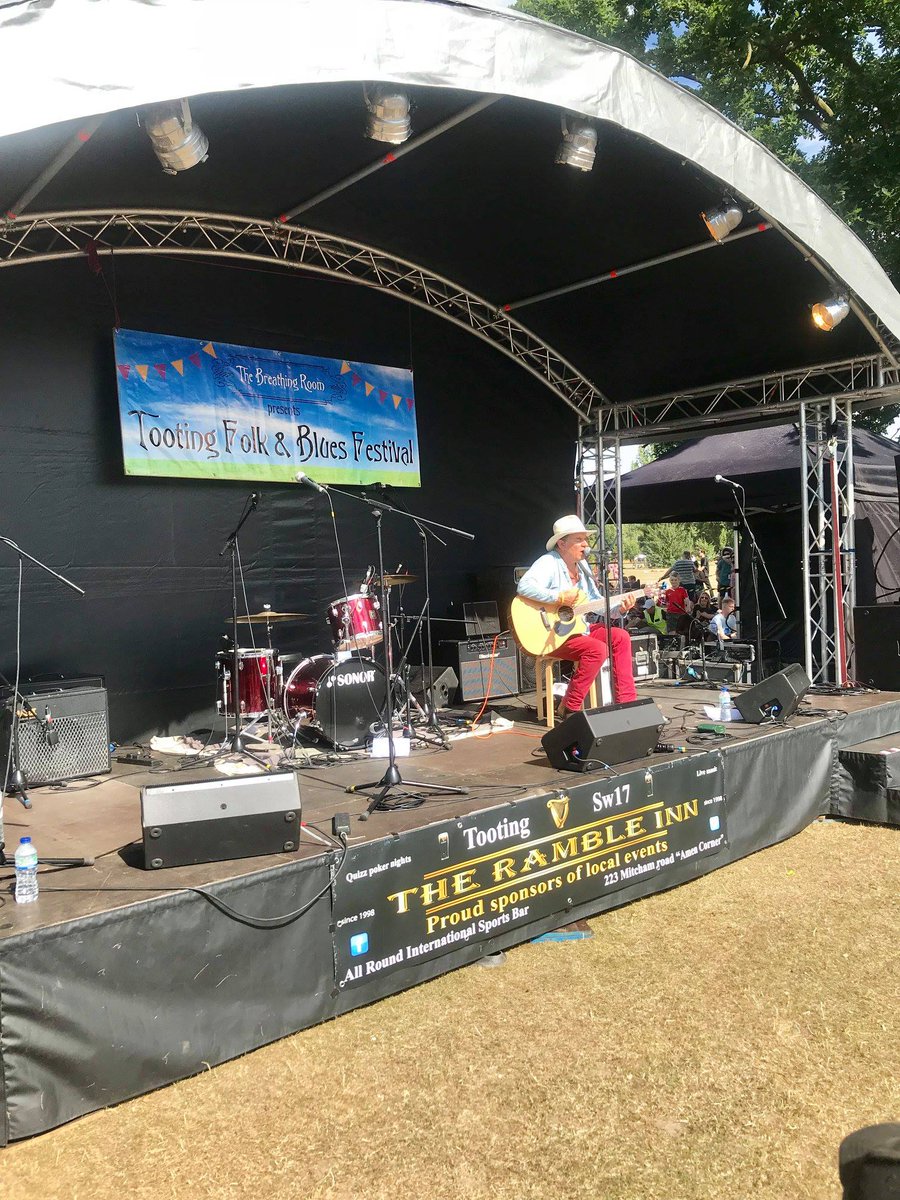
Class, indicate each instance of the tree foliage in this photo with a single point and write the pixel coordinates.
(800, 75)
(828, 70)
(663, 543)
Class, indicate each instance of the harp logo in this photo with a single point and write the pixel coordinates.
(559, 809)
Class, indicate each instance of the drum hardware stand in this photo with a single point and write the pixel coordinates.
(237, 745)
(430, 709)
(392, 777)
(16, 784)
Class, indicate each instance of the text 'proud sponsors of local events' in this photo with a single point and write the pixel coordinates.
(468, 880)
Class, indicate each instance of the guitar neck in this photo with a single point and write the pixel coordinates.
(592, 605)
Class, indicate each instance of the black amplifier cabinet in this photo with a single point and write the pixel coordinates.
(644, 656)
(218, 819)
(876, 633)
(62, 731)
(472, 660)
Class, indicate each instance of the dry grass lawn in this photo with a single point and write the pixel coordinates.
(716, 1041)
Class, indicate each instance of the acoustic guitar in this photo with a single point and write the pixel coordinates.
(542, 630)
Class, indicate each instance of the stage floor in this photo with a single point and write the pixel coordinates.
(101, 818)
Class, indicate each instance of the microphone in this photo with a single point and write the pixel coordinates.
(302, 477)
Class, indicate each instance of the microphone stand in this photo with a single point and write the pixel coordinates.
(392, 777)
(238, 744)
(16, 784)
(431, 719)
(603, 563)
(756, 557)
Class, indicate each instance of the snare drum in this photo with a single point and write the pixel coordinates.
(356, 621)
(341, 699)
(259, 681)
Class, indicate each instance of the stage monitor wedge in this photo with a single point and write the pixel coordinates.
(775, 698)
(600, 737)
(219, 819)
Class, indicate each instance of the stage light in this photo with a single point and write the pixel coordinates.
(829, 313)
(578, 147)
(722, 221)
(388, 114)
(178, 143)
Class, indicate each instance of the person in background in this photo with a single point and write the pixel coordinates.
(704, 611)
(725, 571)
(654, 613)
(724, 624)
(560, 578)
(682, 572)
(701, 571)
(678, 609)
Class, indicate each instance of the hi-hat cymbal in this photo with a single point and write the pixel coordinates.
(398, 580)
(268, 615)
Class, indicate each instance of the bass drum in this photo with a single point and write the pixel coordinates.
(340, 699)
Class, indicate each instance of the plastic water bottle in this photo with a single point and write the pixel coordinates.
(26, 872)
(724, 704)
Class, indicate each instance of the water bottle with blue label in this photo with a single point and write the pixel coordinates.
(724, 704)
(26, 872)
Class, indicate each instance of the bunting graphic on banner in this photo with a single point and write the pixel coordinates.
(356, 379)
(260, 414)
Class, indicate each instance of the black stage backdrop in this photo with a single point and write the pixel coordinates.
(497, 452)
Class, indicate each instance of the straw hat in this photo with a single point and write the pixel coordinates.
(563, 527)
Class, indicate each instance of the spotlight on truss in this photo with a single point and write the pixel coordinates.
(722, 221)
(828, 313)
(388, 114)
(178, 143)
(578, 147)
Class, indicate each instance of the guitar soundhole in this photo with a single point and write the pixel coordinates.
(565, 613)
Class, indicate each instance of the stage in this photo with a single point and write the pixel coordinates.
(119, 980)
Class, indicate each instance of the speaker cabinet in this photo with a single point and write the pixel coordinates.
(876, 633)
(484, 666)
(62, 733)
(438, 687)
(776, 698)
(588, 741)
(219, 819)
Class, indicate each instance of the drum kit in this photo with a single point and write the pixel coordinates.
(338, 696)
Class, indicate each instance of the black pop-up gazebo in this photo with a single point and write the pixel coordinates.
(681, 486)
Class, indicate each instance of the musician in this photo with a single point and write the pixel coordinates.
(723, 625)
(562, 577)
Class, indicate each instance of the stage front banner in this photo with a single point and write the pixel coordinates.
(470, 879)
(210, 410)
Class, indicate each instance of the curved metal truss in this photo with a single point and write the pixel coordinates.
(47, 237)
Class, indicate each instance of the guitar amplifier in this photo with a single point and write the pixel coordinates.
(484, 668)
(62, 732)
(644, 656)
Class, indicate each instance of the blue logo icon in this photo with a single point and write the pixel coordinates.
(714, 823)
(359, 944)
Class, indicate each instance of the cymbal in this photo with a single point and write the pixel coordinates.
(260, 617)
(398, 580)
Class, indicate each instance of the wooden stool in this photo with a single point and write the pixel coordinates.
(543, 682)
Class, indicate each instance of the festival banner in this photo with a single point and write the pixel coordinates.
(398, 902)
(210, 410)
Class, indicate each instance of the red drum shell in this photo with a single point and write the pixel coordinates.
(258, 680)
(300, 689)
(342, 699)
(356, 621)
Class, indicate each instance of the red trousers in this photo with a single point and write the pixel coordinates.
(589, 651)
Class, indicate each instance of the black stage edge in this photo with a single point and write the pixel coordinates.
(105, 1005)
